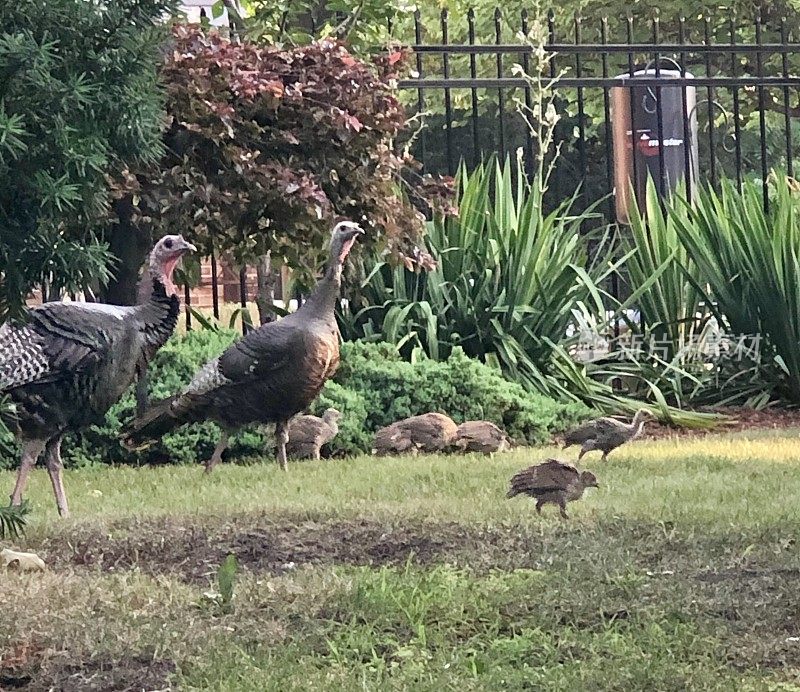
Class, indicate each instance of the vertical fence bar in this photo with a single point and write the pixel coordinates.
(187, 301)
(762, 114)
(787, 118)
(662, 168)
(526, 64)
(581, 111)
(420, 90)
(551, 39)
(631, 70)
(473, 73)
(448, 102)
(736, 122)
(243, 295)
(214, 285)
(607, 118)
(687, 129)
(712, 167)
(501, 118)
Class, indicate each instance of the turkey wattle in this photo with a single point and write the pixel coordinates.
(268, 376)
(68, 363)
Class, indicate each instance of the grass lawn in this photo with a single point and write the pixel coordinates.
(679, 573)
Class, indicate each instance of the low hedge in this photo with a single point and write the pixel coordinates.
(374, 387)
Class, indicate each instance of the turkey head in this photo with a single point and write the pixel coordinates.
(165, 256)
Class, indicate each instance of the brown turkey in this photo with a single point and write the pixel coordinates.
(481, 436)
(269, 375)
(309, 434)
(430, 432)
(606, 434)
(554, 482)
(68, 363)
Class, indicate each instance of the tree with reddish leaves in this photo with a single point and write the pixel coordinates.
(266, 147)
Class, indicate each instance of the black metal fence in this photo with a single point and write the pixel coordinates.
(743, 76)
(467, 92)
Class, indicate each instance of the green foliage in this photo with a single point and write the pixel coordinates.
(79, 100)
(749, 259)
(508, 279)
(267, 146)
(460, 387)
(511, 281)
(363, 24)
(13, 520)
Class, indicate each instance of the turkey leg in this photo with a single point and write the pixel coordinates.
(282, 437)
(216, 457)
(52, 457)
(30, 453)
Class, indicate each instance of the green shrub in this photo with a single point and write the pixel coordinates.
(461, 387)
(374, 387)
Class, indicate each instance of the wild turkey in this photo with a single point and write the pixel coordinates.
(554, 482)
(481, 436)
(68, 363)
(430, 432)
(606, 434)
(269, 375)
(308, 434)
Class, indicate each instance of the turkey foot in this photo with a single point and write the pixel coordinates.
(216, 457)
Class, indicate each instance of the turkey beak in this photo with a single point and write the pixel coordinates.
(186, 247)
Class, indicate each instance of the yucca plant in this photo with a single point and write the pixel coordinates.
(508, 276)
(748, 256)
(13, 520)
(664, 350)
(670, 306)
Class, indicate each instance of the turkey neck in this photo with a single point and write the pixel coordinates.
(322, 302)
(637, 424)
(157, 310)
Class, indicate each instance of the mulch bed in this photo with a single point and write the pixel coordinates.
(742, 420)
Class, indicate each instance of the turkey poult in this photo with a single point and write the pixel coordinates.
(554, 482)
(269, 375)
(308, 434)
(606, 434)
(430, 432)
(68, 363)
(481, 436)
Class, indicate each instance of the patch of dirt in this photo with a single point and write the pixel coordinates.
(742, 419)
(274, 545)
(128, 674)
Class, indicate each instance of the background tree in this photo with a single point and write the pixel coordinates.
(265, 147)
(78, 100)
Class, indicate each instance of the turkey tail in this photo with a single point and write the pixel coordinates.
(156, 422)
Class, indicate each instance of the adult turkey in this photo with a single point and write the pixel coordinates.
(552, 481)
(606, 434)
(66, 364)
(269, 375)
